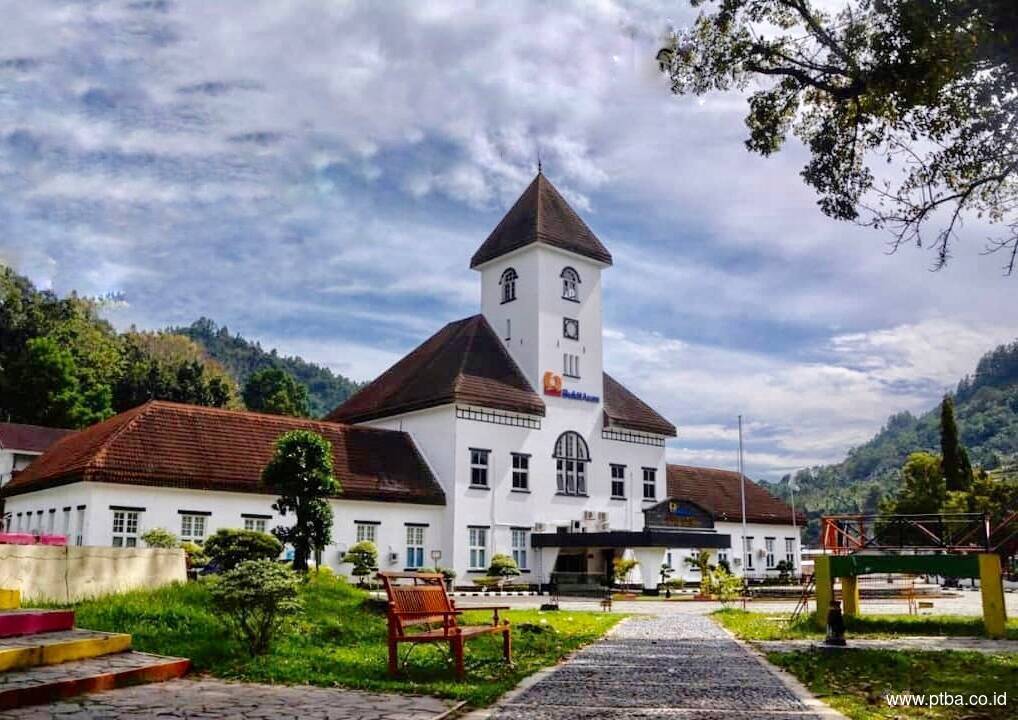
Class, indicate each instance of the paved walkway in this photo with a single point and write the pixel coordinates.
(652, 668)
(217, 700)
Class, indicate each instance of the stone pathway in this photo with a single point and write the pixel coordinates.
(217, 700)
(652, 668)
(916, 642)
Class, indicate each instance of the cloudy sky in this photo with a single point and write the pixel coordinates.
(316, 175)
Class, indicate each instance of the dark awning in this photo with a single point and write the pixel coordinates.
(632, 539)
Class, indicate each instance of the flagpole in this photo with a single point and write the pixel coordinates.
(742, 493)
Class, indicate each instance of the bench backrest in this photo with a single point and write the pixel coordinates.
(413, 602)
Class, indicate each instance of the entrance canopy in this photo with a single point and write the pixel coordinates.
(632, 539)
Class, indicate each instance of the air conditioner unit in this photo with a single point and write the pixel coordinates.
(393, 558)
(605, 526)
(538, 527)
(588, 514)
(602, 516)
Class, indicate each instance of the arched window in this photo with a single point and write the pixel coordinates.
(571, 458)
(508, 283)
(570, 283)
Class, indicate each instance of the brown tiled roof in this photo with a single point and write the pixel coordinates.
(33, 438)
(187, 446)
(463, 362)
(623, 409)
(541, 215)
(717, 491)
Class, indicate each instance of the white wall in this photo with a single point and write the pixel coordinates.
(160, 507)
(759, 532)
(13, 460)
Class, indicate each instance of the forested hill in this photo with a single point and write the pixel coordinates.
(242, 357)
(986, 407)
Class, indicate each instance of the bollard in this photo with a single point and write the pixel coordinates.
(835, 625)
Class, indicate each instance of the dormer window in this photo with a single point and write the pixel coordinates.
(570, 284)
(508, 283)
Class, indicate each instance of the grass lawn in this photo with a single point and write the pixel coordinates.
(856, 682)
(339, 641)
(775, 626)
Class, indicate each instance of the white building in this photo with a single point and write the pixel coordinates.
(499, 434)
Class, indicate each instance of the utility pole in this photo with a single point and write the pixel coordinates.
(742, 492)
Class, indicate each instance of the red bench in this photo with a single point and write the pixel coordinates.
(423, 601)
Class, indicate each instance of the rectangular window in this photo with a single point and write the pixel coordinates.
(749, 553)
(722, 556)
(367, 532)
(66, 527)
(668, 559)
(79, 527)
(478, 543)
(508, 329)
(790, 550)
(414, 546)
(125, 528)
(519, 545)
(256, 524)
(571, 476)
(649, 483)
(192, 528)
(50, 521)
(479, 467)
(571, 365)
(521, 471)
(618, 474)
(769, 545)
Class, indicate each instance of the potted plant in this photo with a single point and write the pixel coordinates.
(448, 574)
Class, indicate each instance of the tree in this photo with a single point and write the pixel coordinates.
(257, 597)
(924, 490)
(623, 568)
(275, 391)
(363, 556)
(301, 472)
(930, 88)
(954, 461)
(229, 547)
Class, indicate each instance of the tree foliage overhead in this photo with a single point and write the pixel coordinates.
(909, 109)
(326, 390)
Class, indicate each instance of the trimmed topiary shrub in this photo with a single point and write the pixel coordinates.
(364, 558)
(228, 548)
(160, 538)
(257, 598)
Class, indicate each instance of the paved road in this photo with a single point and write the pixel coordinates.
(652, 668)
(217, 700)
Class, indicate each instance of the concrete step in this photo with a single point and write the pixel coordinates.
(30, 622)
(47, 683)
(52, 648)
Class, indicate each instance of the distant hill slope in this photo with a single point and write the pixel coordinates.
(986, 407)
(243, 357)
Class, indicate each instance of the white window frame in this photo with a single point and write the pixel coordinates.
(769, 546)
(570, 284)
(508, 329)
(480, 465)
(748, 544)
(519, 537)
(366, 532)
(520, 472)
(193, 527)
(790, 550)
(126, 526)
(67, 524)
(256, 524)
(477, 544)
(507, 284)
(617, 473)
(650, 482)
(414, 547)
(571, 365)
(79, 527)
(51, 521)
(571, 458)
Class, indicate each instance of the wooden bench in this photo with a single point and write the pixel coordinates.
(423, 601)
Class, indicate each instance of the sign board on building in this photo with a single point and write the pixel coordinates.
(677, 514)
(553, 387)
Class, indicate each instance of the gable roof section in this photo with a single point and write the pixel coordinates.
(463, 362)
(623, 409)
(31, 438)
(186, 446)
(718, 492)
(541, 215)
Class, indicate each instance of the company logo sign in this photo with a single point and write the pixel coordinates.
(553, 387)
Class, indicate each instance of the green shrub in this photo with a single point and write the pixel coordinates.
(160, 538)
(503, 566)
(195, 553)
(228, 548)
(364, 558)
(257, 597)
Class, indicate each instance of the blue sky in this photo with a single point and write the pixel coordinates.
(316, 176)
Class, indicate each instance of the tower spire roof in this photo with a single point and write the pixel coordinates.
(541, 215)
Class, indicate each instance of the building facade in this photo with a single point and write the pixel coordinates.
(503, 431)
